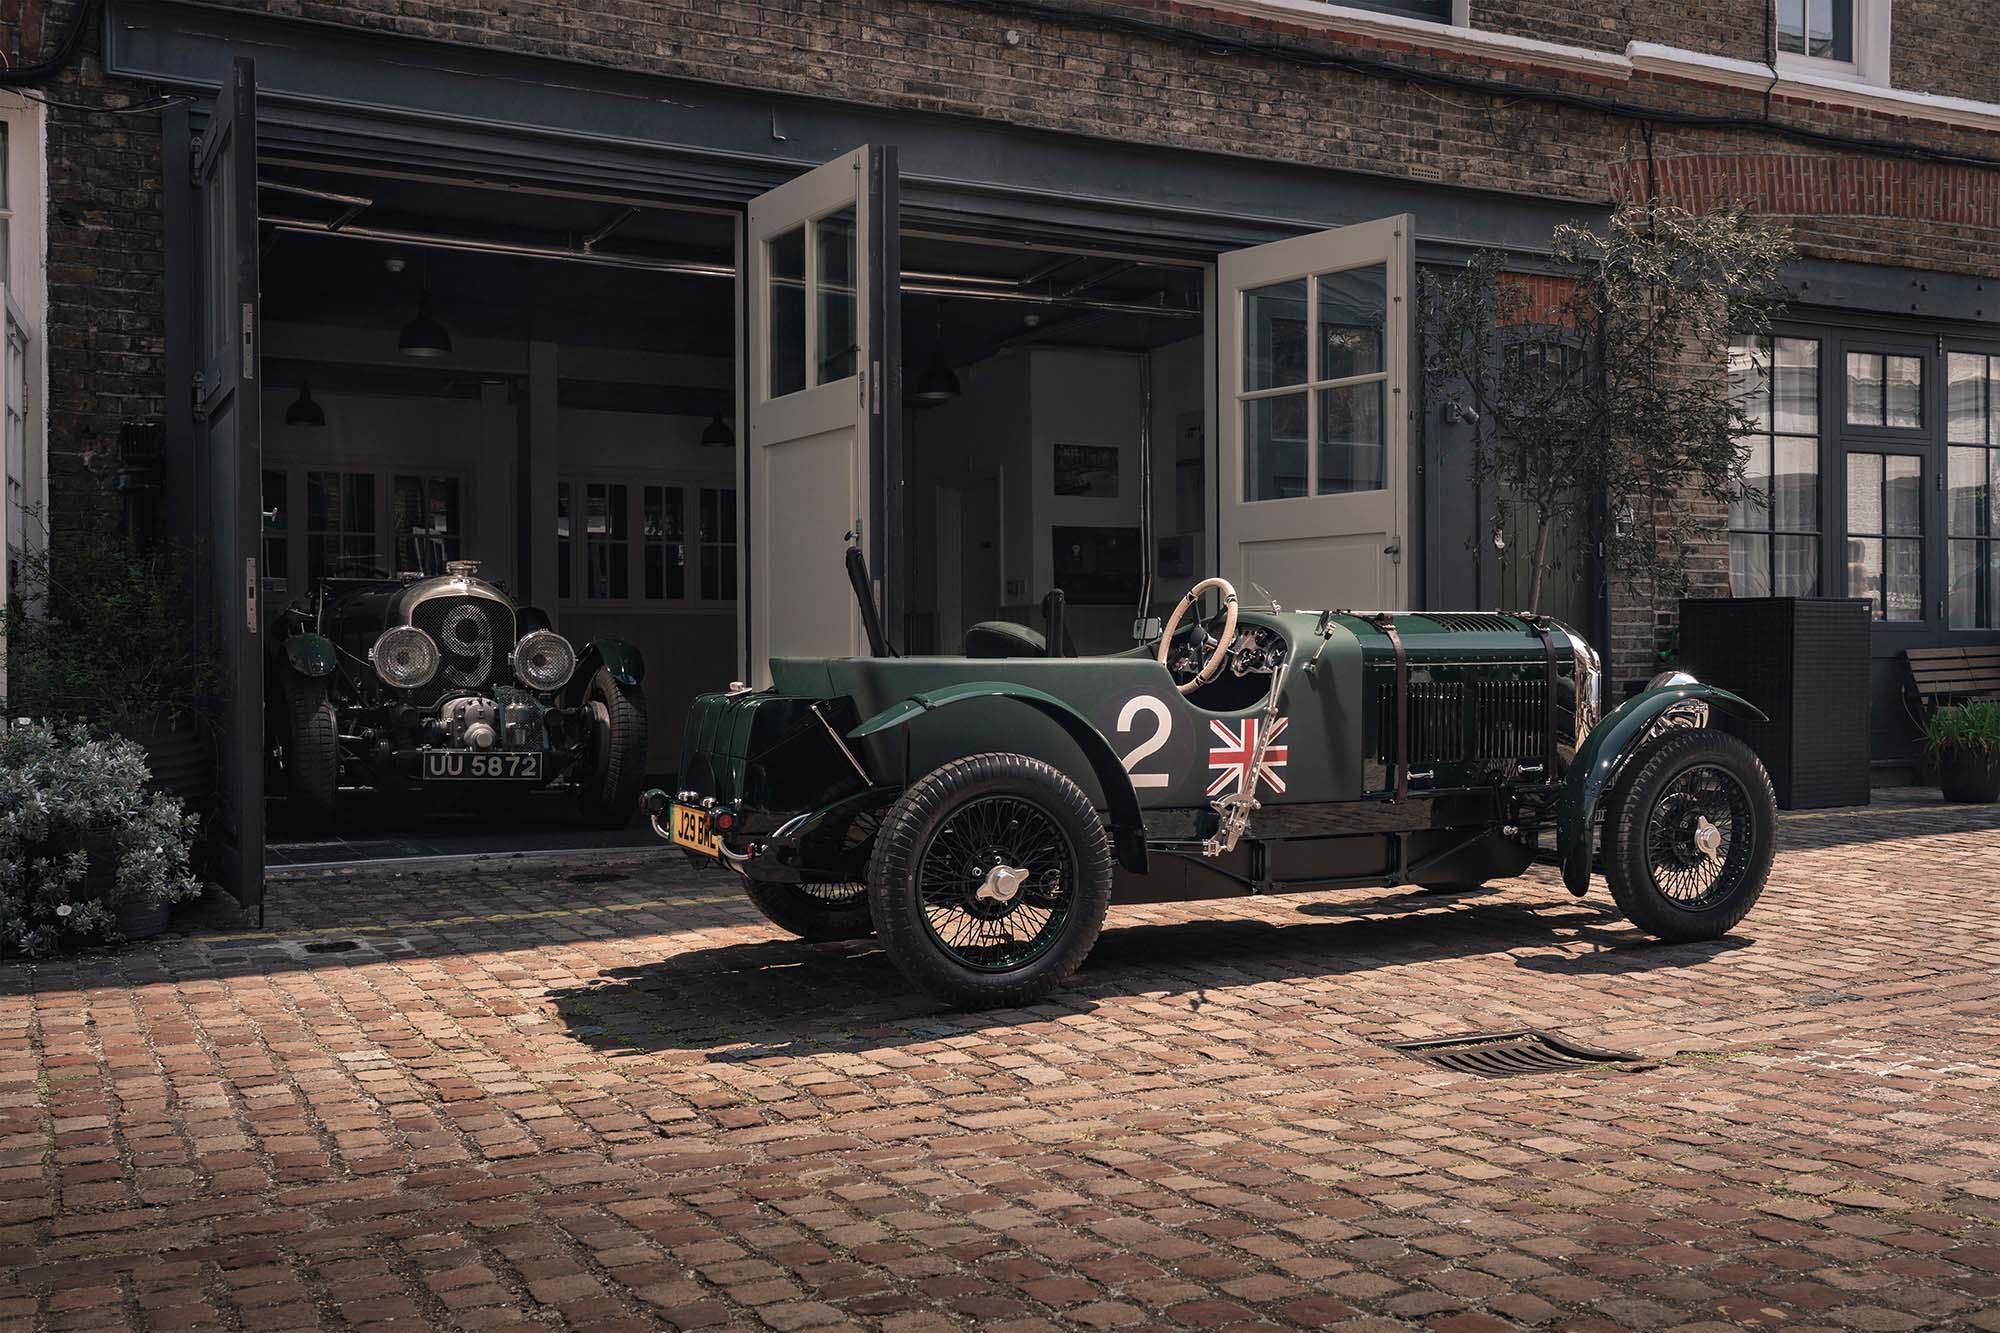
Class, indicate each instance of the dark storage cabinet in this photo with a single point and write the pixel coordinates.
(1804, 661)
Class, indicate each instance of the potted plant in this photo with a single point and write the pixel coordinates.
(87, 852)
(1962, 742)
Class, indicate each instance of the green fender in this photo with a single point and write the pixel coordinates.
(311, 655)
(618, 657)
(1128, 830)
(1603, 757)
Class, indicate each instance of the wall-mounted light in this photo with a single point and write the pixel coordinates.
(304, 411)
(939, 384)
(717, 434)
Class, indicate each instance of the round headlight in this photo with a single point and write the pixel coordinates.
(543, 660)
(405, 657)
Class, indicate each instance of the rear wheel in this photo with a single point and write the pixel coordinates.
(990, 880)
(312, 752)
(815, 912)
(615, 763)
(1689, 834)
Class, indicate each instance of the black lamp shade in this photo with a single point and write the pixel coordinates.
(424, 336)
(717, 434)
(304, 411)
(937, 385)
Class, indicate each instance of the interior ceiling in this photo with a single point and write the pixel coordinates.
(963, 300)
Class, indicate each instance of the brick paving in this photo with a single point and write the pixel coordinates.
(608, 1094)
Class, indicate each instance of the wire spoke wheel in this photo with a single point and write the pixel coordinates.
(996, 883)
(1693, 844)
(1689, 834)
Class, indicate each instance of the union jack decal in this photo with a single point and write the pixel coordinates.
(1231, 757)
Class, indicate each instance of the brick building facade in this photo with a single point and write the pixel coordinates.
(1885, 163)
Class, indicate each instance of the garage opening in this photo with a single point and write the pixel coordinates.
(1054, 437)
(532, 389)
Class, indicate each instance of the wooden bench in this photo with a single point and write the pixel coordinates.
(1951, 675)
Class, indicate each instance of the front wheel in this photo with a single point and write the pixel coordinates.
(990, 880)
(615, 765)
(312, 752)
(1689, 834)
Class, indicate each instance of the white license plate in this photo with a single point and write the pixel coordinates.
(481, 766)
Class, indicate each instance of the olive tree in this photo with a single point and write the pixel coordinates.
(1610, 381)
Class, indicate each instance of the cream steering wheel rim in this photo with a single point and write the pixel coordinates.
(1228, 636)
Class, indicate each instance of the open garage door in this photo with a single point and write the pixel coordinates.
(1314, 338)
(824, 399)
(229, 446)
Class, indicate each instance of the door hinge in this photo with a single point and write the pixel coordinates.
(250, 593)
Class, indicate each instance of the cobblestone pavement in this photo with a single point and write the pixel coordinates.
(607, 1093)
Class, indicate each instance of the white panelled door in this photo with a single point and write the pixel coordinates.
(1314, 416)
(815, 409)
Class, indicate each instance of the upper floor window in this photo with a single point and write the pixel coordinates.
(1439, 10)
(1843, 38)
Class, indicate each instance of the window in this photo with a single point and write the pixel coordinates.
(1314, 381)
(647, 543)
(718, 544)
(1885, 391)
(427, 521)
(607, 573)
(1823, 29)
(1839, 38)
(1885, 533)
(1972, 491)
(340, 525)
(1774, 537)
(1440, 10)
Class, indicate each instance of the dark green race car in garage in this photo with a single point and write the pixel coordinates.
(979, 813)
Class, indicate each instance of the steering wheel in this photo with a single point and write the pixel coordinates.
(1220, 652)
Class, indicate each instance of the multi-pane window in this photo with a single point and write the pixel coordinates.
(1885, 533)
(646, 543)
(663, 528)
(718, 544)
(340, 525)
(814, 333)
(1439, 10)
(1972, 490)
(1885, 390)
(607, 542)
(427, 521)
(1314, 379)
(1774, 535)
(1823, 29)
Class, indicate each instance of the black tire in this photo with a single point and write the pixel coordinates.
(312, 752)
(614, 761)
(931, 863)
(816, 912)
(1662, 878)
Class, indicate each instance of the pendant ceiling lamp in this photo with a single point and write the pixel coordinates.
(304, 411)
(939, 384)
(717, 434)
(424, 336)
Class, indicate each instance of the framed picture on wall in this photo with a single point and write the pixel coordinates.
(1087, 470)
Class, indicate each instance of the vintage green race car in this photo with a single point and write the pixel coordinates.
(979, 813)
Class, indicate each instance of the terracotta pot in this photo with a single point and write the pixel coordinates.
(1969, 777)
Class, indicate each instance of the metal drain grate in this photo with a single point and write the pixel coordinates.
(1502, 1054)
(333, 946)
(596, 877)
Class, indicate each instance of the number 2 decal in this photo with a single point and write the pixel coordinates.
(1163, 729)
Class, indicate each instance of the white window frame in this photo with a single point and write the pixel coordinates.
(1871, 50)
(691, 486)
(298, 537)
(24, 298)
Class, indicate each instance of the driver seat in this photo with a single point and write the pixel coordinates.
(1004, 638)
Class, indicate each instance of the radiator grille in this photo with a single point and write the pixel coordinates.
(1474, 715)
(474, 636)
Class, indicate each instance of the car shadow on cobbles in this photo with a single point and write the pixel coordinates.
(742, 1002)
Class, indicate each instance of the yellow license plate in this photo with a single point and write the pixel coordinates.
(692, 831)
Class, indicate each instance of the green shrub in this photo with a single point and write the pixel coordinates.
(91, 633)
(1968, 728)
(61, 790)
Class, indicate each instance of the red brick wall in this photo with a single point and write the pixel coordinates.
(1087, 76)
